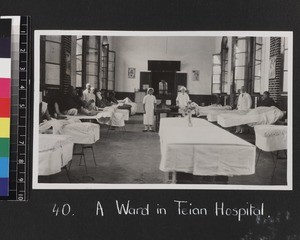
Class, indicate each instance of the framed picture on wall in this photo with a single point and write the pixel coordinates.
(131, 72)
(196, 74)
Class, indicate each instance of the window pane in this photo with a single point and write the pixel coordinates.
(52, 74)
(259, 40)
(258, 70)
(110, 85)
(216, 69)
(92, 68)
(216, 78)
(53, 38)
(53, 52)
(217, 59)
(78, 64)
(111, 76)
(216, 88)
(258, 55)
(78, 80)
(239, 84)
(240, 59)
(241, 45)
(285, 60)
(257, 84)
(239, 73)
(92, 57)
(285, 81)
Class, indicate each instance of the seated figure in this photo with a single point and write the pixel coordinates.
(266, 100)
(71, 104)
(112, 99)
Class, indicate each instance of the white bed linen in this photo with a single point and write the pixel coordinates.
(82, 133)
(203, 149)
(212, 116)
(271, 137)
(204, 111)
(55, 152)
(257, 116)
(132, 104)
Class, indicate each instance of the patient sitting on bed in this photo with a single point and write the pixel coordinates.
(71, 104)
(112, 99)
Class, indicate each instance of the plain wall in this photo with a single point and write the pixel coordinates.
(195, 53)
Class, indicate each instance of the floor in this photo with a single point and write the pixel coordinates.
(134, 156)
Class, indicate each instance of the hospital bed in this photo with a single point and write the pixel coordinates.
(204, 111)
(55, 152)
(257, 116)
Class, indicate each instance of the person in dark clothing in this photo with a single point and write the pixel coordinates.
(71, 104)
(101, 101)
(44, 114)
(266, 100)
(112, 99)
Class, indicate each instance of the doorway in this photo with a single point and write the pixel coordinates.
(169, 77)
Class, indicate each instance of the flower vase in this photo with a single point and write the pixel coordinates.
(190, 124)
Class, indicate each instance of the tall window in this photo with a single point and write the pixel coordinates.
(216, 75)
(248, 55)
(51, 61)
(224, 65)
(241, 55)
(79, 42)
(220, 69)
(257, 64)
(87, 60)
(93, 60)
(284, 52)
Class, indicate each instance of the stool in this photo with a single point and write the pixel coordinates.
(270, 138)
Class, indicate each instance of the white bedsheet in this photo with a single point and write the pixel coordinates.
(271, 137)
(212, 116)
(257, 116)
(203, 149)
(55, 152)
(204, 111)
(129, 102)
(82, 133)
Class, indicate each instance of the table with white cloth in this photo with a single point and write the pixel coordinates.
(203, 149)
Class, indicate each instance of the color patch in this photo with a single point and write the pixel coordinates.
(4, 127)
(4, 107)
(4, 147)
(4, 170)
(5, 67)
(5, 47)
(4, 183)
(5, 89)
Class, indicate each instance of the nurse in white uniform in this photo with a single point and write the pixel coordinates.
(149, 103)
(182, 99)
(244, 104)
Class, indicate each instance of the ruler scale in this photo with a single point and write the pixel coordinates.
(19, 161)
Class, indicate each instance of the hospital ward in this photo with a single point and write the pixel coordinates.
(172, 110)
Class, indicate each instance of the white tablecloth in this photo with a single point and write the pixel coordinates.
(204, 149)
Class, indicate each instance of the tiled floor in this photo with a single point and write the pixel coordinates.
(134, 156)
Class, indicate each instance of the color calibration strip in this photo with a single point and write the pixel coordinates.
(5, 103)
(20, 66)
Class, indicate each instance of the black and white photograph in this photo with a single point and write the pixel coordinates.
(99, 123)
